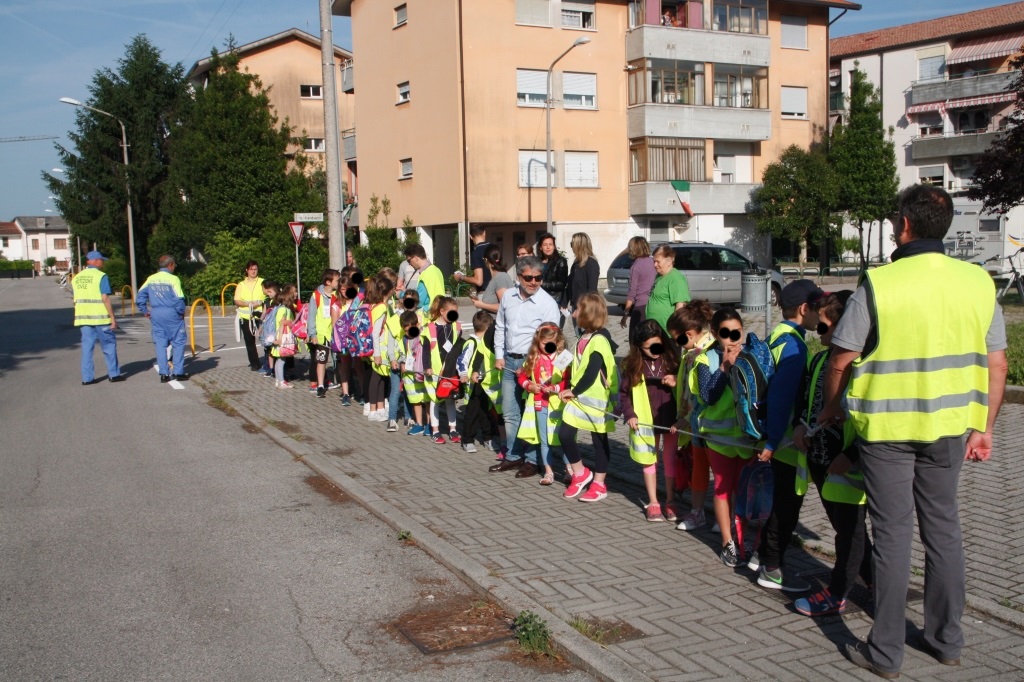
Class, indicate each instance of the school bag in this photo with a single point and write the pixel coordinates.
(749, 377)
(753, 496)
(353, 332)
(300, 328)
(268, 331)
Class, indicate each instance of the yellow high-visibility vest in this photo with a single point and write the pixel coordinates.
(89, 308)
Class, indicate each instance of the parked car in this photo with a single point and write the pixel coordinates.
(712, 272)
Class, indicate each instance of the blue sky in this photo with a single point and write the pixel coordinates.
(51, 49)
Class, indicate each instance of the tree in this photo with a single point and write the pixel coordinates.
(144, 93)
(999, 174)
(383, 249)
(863, 155)
(797, 198)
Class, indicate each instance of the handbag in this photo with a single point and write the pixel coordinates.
(287, 347)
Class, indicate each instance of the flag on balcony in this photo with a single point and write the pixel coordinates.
(682, 188)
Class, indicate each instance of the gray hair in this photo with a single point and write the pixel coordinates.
(528, 263)
(166, 260)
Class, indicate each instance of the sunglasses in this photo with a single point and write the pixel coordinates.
(823, 329)
(731, 334)
(531, 278)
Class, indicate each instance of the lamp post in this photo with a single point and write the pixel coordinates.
(582, 40)
(128, 191)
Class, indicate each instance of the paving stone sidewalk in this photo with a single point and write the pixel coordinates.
(700, 620)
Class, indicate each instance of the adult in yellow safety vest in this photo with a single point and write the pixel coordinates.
(162, 300)
(94, 315)
(249, 304)
(428, 280)
(921, 348)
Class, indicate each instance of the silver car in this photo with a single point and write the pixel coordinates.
(712, 272)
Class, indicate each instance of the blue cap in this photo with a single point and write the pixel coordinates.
(95, 255)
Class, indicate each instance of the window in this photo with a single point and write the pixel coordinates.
(401, 15)
(794, 32)
(740, 16)
(931, 175)
(794, 102)
(60, 244)
(531, 87)
(988, 225)
(311, 91)
(741, 86)
(405, 169)
(661, 159)
(931, 68)
(5, 242)
(663, 81)
(580, 169)
(533, 168)
(680, 14)
(533, 12)
(315, 144)
(929, 123)
(403, 92)
(732, 260)
(579, 90)
(35, 244)
(578, 14)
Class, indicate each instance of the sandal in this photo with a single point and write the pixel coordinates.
(549, 478)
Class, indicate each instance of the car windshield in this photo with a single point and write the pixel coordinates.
(622, 262)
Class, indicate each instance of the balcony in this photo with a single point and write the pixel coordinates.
(348, 144)
(836, 101)
(957, 144)
(715, 123)
(685, 44)
(353, 216)
(658, 198)
(972, 86)
(348, 76)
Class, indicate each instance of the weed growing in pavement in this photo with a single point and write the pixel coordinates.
(1006, 603)
(598, 632)
(217, 401)
(919, 572)
(405, 536)
(533, 633)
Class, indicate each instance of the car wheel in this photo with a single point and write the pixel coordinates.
(776, 294)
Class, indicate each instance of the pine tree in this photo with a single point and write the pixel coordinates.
(999, 173)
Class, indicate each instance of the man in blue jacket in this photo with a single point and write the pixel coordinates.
(162, 300)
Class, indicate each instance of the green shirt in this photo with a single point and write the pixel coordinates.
(668, 290)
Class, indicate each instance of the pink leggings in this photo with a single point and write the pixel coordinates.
(669, 457)
(727, 473)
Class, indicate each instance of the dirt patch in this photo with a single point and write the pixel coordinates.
(538, 662)
(460, 622)
(285, 427)
(605, 632)
(339, 452)
(327, 489)
(433, 581)
(251, 428)
(234, 392)
(217, 401)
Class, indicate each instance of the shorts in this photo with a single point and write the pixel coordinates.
(319, 354)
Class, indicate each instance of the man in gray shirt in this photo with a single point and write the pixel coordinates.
(522, 309)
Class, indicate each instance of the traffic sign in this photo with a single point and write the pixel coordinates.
(308, 217)
(296, 230)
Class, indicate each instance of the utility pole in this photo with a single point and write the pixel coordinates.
(335, 231)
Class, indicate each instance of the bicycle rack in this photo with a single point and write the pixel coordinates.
(192, 324)
(130, 298)
(223, 309)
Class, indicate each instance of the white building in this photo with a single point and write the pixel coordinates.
(45, 237)
(12, 242)
(943, 90)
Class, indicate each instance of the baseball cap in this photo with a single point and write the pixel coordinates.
(95, 255)
(800, 291)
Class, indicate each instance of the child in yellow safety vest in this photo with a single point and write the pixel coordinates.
(832, 464)
(542, 381)
(284, 314)
(647, 399)
(410, 365)
(440, 334)
(590, 398)
(483, 387)
(377, 291)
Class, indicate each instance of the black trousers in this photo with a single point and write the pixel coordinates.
(250, 344)
(778, 529)
(480, 421)
(853, 546)
(567, 434)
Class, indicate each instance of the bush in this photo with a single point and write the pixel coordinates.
(116, 268)
(17, 265)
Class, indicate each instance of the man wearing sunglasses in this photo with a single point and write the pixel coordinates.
(790, 355)
(922, 349)
(521, 310)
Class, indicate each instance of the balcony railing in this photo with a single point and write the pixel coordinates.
(836, 101)
(978, 85)
(348, 80)
(348, 144)
(963, 143)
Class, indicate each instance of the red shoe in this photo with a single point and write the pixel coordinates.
(454, 437)
(437, 438)
(579, 482)
(596, 493)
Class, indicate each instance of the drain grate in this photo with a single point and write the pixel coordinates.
(462, 624)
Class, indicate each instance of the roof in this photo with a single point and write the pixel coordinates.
(30, 223)
(837, 4)
(203, 65)
(9, 229)
(968, 24)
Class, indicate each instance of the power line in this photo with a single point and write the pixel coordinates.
(28, 138)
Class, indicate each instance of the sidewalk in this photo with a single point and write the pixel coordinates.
(699, 619)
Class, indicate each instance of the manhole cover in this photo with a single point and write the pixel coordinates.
(860, 599)
(461, 624)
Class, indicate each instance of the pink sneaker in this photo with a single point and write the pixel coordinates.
(596, 493)
(671, 512)
(579, 482)
(653, 511)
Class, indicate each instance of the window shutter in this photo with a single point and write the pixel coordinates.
(531, 81)
(401, 15)
(794, 101)
(794, 32)
(532, 168)
(578, 5)
(579, 83)
(580, 169)
(537, 12)
(931, 68)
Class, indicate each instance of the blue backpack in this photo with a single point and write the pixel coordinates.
(268, 332)
(353, 332)
(754, 491)
(749, 377)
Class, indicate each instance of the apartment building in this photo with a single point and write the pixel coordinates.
(45, 237)
(289, 65)
(663, 115)
(943, 86)
(12, 241)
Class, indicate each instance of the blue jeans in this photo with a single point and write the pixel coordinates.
(104, 335)
(512, 407)
(546, 452)
(396, 399)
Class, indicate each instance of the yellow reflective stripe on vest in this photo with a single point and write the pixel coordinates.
(642, 444)
(847, 488)
(931, 381)
(89, 308)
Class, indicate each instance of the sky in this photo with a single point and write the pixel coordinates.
(53, 48)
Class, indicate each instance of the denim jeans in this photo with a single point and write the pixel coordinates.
(396, 398)
(512, 407)
(546, 452)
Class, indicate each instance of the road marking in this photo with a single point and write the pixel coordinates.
(176, 385)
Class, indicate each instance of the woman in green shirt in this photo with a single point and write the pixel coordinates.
(670, 288)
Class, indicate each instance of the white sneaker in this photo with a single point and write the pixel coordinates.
(469, 447)
(694, 520)
(378, 416)
(366, 409)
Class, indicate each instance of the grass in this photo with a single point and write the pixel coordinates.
(533, 633)
(598, 632)
(1015, 353)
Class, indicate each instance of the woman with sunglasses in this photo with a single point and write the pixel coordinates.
(647, 399)
(249, 301)
(727, 445)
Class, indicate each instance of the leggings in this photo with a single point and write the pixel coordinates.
(669, 454)
(727, 473)
(378, 388)
(435, 413)
(567, 434)
(278, 368)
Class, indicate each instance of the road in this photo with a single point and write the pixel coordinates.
(144, 535)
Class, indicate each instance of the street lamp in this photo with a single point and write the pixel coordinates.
(582, 40)
(128, 192)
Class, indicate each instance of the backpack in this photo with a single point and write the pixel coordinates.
(754, 492)
(749, 377)
(300, 327)
(268, 332)
(353, 332)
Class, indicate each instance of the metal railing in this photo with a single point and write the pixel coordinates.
(129, 289)
(223, 309)
(192, 324)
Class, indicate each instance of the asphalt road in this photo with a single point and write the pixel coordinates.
(145, 535)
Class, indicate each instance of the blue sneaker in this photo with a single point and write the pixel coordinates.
(346, 400)
(415, 430)
(428, 432)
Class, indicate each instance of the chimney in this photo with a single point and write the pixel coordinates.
(41, 222)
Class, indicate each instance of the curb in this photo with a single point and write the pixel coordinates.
(578, 650)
